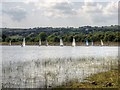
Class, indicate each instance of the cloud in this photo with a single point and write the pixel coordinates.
(15, 12)
(92, 8)
(25, 1)
(59, 13)
(100, 12)
(111, 8)
(59, 8)
(64, 7)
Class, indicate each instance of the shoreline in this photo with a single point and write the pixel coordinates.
(104, 82)
(57, 44)
(107, 79)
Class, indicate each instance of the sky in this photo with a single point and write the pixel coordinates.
(58, 13)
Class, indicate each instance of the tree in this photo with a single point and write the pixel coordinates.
(56, 39)
(70, 38)
(7, 39)
(36, 39)
(43, 36)
(4, 37)
(51, 37)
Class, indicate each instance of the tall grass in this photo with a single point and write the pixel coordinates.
(50, 72)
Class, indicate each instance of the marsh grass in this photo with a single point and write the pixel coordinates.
(51, 72)
(105, 79)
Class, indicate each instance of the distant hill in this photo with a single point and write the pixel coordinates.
(8, 33)
(50, 30)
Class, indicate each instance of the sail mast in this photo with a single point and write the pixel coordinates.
(92, 43)
(102, 43)
(87, 43)
(23, 44)
(46, 43)
(61, 42)
(73, 43)
(10, 43)
(39, 42)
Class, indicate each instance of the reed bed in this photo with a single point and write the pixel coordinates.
(52, 72)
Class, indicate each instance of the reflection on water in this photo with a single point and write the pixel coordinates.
(17, 53)
(34, 66)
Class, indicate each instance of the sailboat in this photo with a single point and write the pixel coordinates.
(46, 43)
(73, 43)
(10, 43)
(61, 42)
(92, 43)
(39, 42)
(102, 43)
(23, 44)
(87, 43)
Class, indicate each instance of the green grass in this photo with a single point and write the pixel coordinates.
(107, 79)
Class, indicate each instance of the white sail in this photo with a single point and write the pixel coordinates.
(46, 43)
(102, 43)
(23, 44)
(39, 42)
(10, 43)
(92, 43)
(73, 43)
(87, 43)
(61, 42)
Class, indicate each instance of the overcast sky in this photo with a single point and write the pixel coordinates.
(58, 13)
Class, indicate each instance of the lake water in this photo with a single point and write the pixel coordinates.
(17, 53)
(31, 66)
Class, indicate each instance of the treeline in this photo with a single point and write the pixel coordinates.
(67, 37)
(106, 33)
(59, 30)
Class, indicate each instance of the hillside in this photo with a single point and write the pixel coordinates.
(107, 33)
